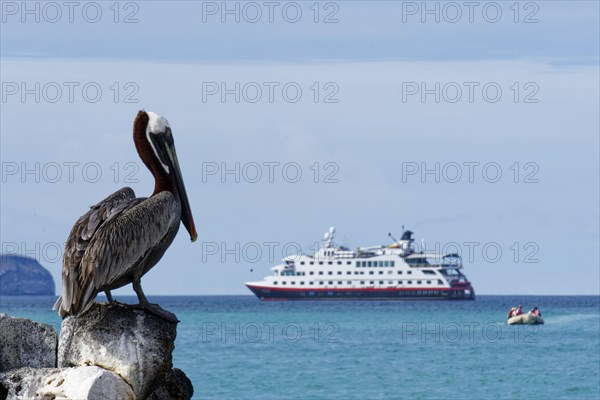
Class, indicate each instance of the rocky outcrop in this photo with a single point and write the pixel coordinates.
(24, 276)
(64, 383)
(132, 343)
(176, 386)
(25, 343)
(112, 351)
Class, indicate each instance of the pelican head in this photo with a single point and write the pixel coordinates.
(154, 142)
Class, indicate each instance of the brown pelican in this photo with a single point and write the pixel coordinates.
(119, 239)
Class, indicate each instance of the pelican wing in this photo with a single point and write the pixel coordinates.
(108, 241)
(120, 245)
(87, 225)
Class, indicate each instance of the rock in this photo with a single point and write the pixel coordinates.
(25, 343)
(112, 351)
(23, 276)
(134, 344)
(176, 386)
(85, 383)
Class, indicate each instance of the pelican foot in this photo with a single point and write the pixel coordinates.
(157, 310)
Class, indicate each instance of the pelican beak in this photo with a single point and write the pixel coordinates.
(186, 211)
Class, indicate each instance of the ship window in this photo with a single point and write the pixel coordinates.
(418, 282)
(302, 282)
(275, 283)
(311, 283)
(292, 282)
(390, 272)
(381, 282)
(362, 272)
(358, 263)
(355, 272)
(348, 262)
(320, 262)
(440, 282)
(387, 263)
(320, 272)
(399, 272)
(371, 272)
(409, 272)
(392, 263)
(428, 272)
(283, 282)
(312, 263)
(391, 282)
(330, 262)
(311, 273)
(368, 263)
(339, 263)
(410, 282)
(349, 273)
(381, 264)
(301, 262)
(380, 272)
(372, 282)
(330, 282)
(330, 273)
(362, 282)
(364, 263)
(339, 282)
(339, 272)
(349, 282)
(429, 282)
(320, 282)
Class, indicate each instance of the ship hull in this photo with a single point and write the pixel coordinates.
(269, 293)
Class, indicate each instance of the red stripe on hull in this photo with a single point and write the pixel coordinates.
(353, 289)
(443, 293)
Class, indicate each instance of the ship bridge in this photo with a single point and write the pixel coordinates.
(435, 260)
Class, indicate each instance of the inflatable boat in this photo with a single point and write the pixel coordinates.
(525, 319)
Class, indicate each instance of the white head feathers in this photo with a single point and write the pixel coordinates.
(157, 124)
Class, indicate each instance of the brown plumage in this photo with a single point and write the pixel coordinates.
(119, 239)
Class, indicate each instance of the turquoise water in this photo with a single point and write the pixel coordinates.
(236, 347)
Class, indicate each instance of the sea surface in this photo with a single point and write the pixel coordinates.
(237, 347)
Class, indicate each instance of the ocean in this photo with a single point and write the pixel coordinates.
(237, 347)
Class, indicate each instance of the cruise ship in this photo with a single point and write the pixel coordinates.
(393, 271)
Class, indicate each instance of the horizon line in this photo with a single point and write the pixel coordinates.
(251, 295)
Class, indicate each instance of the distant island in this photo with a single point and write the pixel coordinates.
(24, 276)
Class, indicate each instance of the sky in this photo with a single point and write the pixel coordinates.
(476, 128)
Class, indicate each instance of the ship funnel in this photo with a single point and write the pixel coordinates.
(405, 242)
